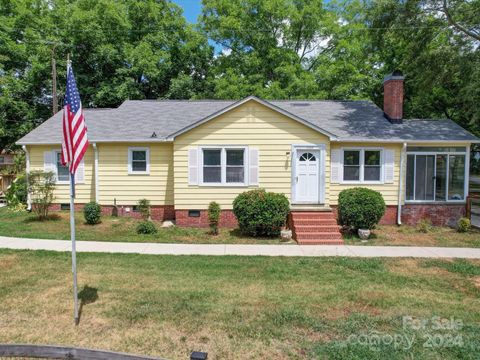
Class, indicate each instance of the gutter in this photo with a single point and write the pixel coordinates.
(27, 171)
(400, 184)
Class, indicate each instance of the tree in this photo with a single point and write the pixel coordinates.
(269, 46)
(120, 50)
(41, 186)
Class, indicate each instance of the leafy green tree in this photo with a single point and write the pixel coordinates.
(120, 50)
(269, 46)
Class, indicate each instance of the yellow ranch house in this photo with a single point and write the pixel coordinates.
(181, 155)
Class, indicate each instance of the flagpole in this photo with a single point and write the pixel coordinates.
(72, 235)
(74, 250)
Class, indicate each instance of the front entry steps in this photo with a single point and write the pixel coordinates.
(315, 228)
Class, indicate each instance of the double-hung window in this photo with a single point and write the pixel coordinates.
(223, 165)
(138, 160)
(362, 165)
(63, 174)
(436, 174)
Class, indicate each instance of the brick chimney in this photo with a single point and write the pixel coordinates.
(393, 97)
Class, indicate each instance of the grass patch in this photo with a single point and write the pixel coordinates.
(57, 226)
(458, 266)
(236, 307)
(405, 235)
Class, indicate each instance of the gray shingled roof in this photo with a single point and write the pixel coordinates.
(136, 120)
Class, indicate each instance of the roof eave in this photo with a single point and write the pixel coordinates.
(410, 141)
(164, 140)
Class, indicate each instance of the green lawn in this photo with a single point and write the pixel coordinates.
(24, 224)
(242, 307)
(409, 236)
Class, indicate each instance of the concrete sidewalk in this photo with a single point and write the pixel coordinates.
(242, 250)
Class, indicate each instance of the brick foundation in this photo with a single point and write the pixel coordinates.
(439, 214)
(159, 212)
(390, 217)
(227, 219)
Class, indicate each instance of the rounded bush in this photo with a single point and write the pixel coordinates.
(146, 227)
(261, 213)
(92, 213)
(463, 225)
(360, 208)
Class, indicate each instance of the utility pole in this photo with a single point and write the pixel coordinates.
(54, 82)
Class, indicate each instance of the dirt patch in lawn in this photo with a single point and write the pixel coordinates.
(8, 262)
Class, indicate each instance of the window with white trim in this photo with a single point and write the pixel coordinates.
(362, 165)
(436, 174)
(223, 165)
(63, 174)
(138, 160)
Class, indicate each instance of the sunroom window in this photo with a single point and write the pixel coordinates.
(435, 176)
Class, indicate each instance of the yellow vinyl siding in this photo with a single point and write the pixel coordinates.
(250, 124)
(85, 191)
(114, 180)
(116, 183)
(388, 191)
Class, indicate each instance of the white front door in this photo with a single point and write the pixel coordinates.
(307, 175)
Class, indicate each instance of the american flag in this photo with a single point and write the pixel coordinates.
(75, 142)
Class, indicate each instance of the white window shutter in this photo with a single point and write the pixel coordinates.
(389, 165)
(253, 166)
(336, 172)
(129, 161)
(193, 166)
(49, 161)
(80, 174)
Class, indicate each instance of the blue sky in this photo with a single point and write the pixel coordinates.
(191, 9)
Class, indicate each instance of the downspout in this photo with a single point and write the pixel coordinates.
(400, 184)
(27, 171)
(95, 149)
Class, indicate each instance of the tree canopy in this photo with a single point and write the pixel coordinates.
(282, 49)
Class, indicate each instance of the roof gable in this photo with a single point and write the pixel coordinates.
(243, 101)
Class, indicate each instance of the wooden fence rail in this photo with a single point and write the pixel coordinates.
(63, 352)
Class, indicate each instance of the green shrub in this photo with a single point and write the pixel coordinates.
(41, 186)
(16, 193)
(360, 208)
(261, 213)
(463, 225)
(146, 227)
(92, 213)
(214, 216)
(144, 208)
(424, 226)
